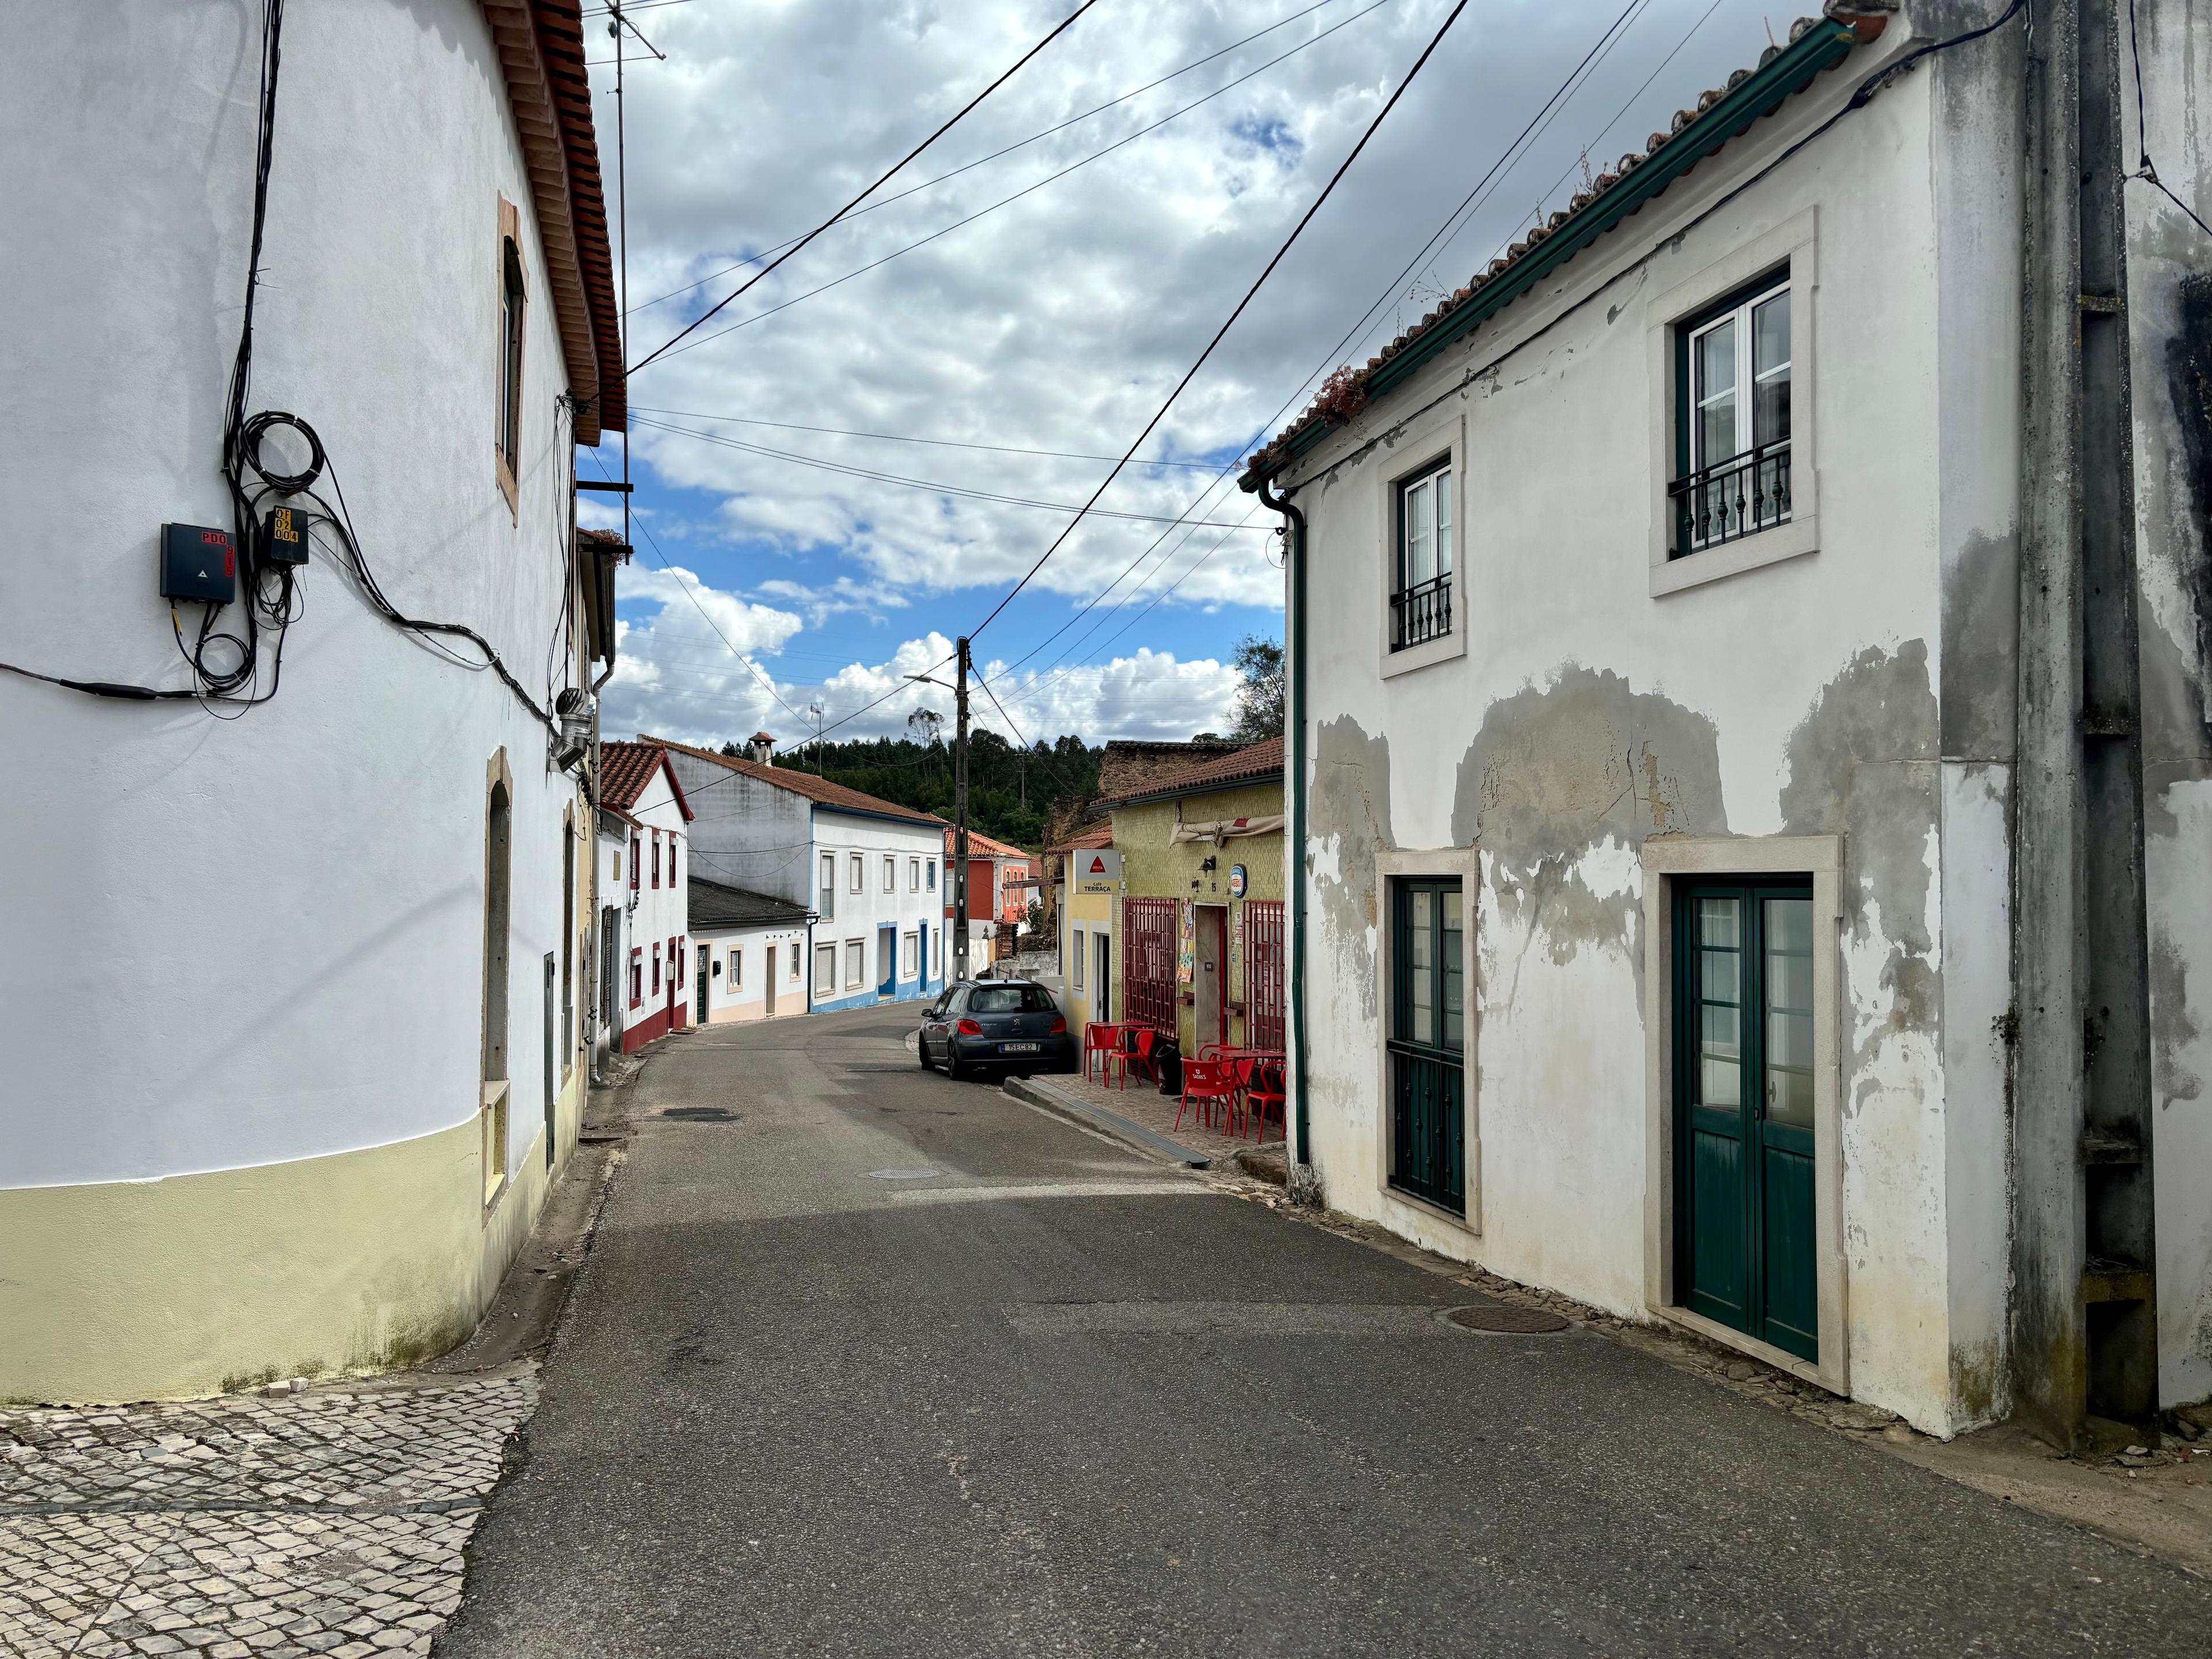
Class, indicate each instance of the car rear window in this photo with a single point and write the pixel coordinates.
(1010, 999)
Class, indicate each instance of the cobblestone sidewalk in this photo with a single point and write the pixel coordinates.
(326, 1521)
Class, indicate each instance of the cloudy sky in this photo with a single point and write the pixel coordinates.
(855, 462)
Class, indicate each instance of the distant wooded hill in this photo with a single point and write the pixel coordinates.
(1010, 790)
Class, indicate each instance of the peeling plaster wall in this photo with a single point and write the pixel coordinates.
(1586, 715)
(2170, 305)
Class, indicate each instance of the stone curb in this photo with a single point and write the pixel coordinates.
(1082, 1113)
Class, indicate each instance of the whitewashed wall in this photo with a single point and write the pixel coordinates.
(860, 915)
(766, 951)
(2170, 303)
(1587, 714)
(241, 942)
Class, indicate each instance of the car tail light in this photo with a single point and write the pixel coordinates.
(970, 1028)
(1058, 1026)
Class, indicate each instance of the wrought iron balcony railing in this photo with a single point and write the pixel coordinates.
(1732, 499)
(1421, 613)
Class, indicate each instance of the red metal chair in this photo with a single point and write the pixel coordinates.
(1103, 1039)
(1137, 1050)
(1207, 1084)
(1265, 1093)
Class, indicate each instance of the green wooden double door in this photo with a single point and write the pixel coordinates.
(1743, 1092)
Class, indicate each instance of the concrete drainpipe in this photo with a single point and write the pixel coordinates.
(1294, 774)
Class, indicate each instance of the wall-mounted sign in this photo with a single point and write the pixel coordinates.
(1095, 870)
(1187, 951)
(1236, 881)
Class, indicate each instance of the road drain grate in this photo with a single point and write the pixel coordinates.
(1500, 1318)
(700, 1114)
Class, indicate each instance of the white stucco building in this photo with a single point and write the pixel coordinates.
(1659, 674)
(750, 954)
(645, 874)
(291, 999)
(867, 869)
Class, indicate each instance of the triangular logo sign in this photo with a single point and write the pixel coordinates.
(1098, 865)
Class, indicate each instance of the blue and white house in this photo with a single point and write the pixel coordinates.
(868, 870)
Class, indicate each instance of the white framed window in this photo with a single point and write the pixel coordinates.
(891, 873)
(827, 902)
(1075, 960)
(1733, 371)
(826, 968)
(794, 961)
(913, 875)
(1421, 588)
(909, 956)
(932, 875)
(736, 968)
(858, 874)
(856, 963)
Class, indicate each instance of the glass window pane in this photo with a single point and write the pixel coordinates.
(1714, 352)
(1789, 1011)
(1720, 994)
(1420, 544)
(1421, 953)
(1455, 973)
(1769, 347)
(1444, 524)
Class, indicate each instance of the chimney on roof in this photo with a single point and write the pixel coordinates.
(761, 747)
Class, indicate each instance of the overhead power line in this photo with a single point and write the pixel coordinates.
(1497, 171)
(909, 438)
(1026, 190)
(969, 167)
(1057, 30)
(1328, 190)
(929, 484)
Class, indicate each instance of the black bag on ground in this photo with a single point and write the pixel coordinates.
(1167, 1060)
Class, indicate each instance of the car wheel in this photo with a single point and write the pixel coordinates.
(921, 1048)
(953, 1068)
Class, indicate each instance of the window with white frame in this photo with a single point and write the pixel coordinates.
(891, 873)
(857, 875)
(909, 956)
(736, 968)
(1075, 959)
(794, 959)
(856, 963)
(913, 875)
(825, 970)
(1421, 584)
(932, 875)
(1732, 450)
(828, 904)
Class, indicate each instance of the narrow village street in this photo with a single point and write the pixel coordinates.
(865, 1360)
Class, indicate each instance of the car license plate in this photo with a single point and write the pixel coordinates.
(1019, 1048)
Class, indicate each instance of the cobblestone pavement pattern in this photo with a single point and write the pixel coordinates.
(327, 1522)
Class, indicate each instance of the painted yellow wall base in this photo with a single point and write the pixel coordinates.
(204, 1284)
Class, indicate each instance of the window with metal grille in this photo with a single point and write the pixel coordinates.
(1263, 972)
(1732, 372)
(1421, 583)
(1426, 1045)
(1148, 963)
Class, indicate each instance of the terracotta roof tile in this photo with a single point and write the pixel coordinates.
(982, 846)
(1260, 762)
(626, 768)
(835, 796)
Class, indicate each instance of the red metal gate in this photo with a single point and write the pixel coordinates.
(1148, 963)
(1263, 972)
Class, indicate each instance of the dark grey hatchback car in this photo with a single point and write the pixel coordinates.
(1010, 1025)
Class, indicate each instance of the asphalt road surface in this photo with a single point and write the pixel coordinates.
(865, 1361)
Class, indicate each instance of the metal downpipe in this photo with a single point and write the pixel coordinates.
(1294, 774)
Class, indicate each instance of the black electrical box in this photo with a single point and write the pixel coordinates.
(198, 563)
(284, 537)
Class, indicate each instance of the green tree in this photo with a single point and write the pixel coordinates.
(1260, 697)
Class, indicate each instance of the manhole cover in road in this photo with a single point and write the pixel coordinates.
(702, 1114)
(1504, 1319)
(905, 1174)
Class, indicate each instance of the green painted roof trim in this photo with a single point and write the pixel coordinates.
(1820, 48)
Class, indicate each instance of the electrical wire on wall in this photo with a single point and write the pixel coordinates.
(226, 663)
